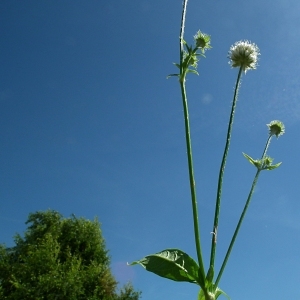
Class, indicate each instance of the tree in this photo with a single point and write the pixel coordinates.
(59, 258)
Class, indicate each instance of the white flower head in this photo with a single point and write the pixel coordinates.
(244, 54)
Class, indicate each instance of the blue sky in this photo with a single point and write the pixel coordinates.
(90, 125)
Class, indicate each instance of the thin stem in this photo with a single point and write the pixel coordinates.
(181, 35)
(267, 146)
(242, 215)
(221, 172)
(237, 228)
(192, 178)
(189, 145)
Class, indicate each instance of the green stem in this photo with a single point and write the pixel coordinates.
(237, 228)
(242, 215)
(192, 178)
(181, 35)
(266, 146)
(221, 172)
(189, 146)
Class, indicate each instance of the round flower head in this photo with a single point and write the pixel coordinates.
(202, 41)
(267, 161)
(244, 54)
(276, 128)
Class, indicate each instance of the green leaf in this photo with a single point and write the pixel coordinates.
(219, 292)
(254, 162)
(201, 295)
(171, 75)
(212, 295)
(200, 54)
(189, 49)
(183, 41)
(177, 65)
(210, 276)
(201, 279)
(209, 295)
(192, 71)
(273, 167)
(173, 264)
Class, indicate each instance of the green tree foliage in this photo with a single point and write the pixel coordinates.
(59, 258)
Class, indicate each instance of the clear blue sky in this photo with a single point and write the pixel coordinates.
(90, 125)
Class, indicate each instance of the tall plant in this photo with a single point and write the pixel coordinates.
(175, 264)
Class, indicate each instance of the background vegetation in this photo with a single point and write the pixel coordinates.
(59, 258)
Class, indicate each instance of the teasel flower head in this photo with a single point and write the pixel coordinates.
(202, 41)
(244, 54)
(276, 128)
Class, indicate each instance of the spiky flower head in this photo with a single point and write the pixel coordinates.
(244, 54)
(276, 128)
(267, 161)
(190, 59)
(202, 41)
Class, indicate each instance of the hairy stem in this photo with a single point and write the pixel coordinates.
(243, 214)
(189, 146)
(192, 179)
(221, 172)
(266, 146)
(237, 228)
(181, 35)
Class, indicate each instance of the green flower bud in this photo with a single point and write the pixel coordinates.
(190, 59)
(268, 161)
(276, 128)
(202, 41)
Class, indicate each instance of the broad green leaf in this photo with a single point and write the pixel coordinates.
(173, 264)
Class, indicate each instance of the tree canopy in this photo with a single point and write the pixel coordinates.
(59, 258)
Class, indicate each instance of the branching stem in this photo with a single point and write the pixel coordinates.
(189, 146)
(243, 214)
